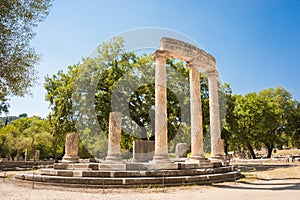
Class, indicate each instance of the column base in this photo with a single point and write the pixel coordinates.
(161, 159)
(217, 157)
(113, 159)
(70, 159)
(198, 157)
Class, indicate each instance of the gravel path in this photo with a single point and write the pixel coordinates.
(260, 189)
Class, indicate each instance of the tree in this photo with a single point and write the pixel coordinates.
(3, 103)
(59, 94)
(26, 133)
(230, 120)
(276, 113)
(267, 118)
(294, 123)
(17, 57)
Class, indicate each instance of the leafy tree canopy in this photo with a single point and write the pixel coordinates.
(17, 57)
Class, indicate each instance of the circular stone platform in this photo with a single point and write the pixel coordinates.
(95, 175)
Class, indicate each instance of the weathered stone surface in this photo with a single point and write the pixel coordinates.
(71, 148)
(114, 138)
(161, 120)
(37, 155)
(26, 154)
(196, 115)
(181, 150)
(195, 58)
(217, 144)
(187, 52)
(143, 150)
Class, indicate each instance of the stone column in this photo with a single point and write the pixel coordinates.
(161, 120)
(217, 144)
(26, 155)
(37, 155)
(196, 115)
(114, 138)
(18, 155)
(71, 148)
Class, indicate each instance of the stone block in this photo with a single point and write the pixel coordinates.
(60, 165)
(108, 166)
(181, 150)
(143, 150)
(37, 155)
(71, 149)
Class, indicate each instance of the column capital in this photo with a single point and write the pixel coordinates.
(212, 73)
(160, 54)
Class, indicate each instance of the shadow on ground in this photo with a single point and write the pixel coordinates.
(270, 184)
(261, 168)
(252, 182)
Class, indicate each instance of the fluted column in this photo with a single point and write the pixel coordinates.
(196, 115)
(217, 144)
(161, 120)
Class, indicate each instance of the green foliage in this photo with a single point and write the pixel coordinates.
(26, 133)
(264, 119)
(3, 103)
(17, 58)
(59, 93)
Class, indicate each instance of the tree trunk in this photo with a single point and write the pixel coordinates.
(249, 146)
(55, 151)
(270, 149)
(226, 147)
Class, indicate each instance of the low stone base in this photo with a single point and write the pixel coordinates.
(76, 166)
(110, 166)
(131, 178)
(113, 159)
(216, 159)
(70, 159)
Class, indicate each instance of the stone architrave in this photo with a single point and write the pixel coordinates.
(114, 138)
(196, 115)
(181, 150)
(217, 144)
(71, 148)
(161, 131)
(37, 155)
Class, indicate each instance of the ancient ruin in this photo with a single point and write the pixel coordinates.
(150, 167)
(195, 58)
(71, 148)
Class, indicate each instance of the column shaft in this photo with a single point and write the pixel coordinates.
(161, 120)
(196, 115)
(71, 148)
(217, 145)
(114, 137)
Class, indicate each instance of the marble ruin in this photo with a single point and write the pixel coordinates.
(151, 164)
(71, 149)
(195, 58)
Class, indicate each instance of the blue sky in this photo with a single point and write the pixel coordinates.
(256, 43)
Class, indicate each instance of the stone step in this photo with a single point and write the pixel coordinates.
(135, 173)
(107, 182)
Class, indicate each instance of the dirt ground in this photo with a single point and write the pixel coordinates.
(260, 182)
